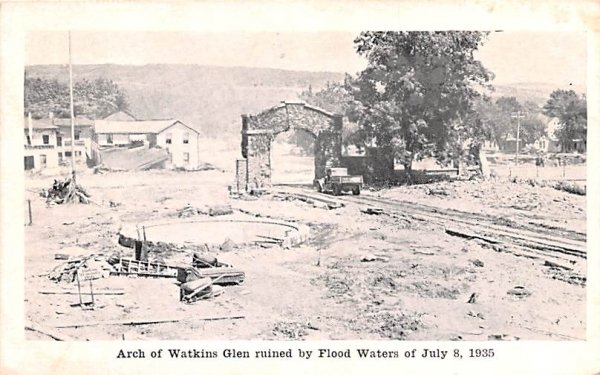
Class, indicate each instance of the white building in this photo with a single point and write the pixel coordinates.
(181, 141)
(40, 142)
(83, 132)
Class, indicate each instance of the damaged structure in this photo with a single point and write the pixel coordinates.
(253, 171)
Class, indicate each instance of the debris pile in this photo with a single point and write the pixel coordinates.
(66, 191)
(92, 266)
(215, 210)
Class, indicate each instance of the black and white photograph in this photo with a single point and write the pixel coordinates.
(431, 187)
(380, 184)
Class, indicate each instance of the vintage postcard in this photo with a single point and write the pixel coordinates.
(228, 187)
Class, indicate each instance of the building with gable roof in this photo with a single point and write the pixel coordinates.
(179, 139)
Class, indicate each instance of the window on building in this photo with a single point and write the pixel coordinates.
(168, 138)
(28, 140)
(77, 153)
(77, 134)
(186, 157)
(67, 154)
(60, 156)
(46, 139)
(29, 163)
(59, 141)
(109, 139)
(186, 138)
(42, 160)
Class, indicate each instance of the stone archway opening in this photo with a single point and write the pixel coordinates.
(293, 158)
(254, 170)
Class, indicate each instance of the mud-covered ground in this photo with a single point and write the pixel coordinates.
(358, 277)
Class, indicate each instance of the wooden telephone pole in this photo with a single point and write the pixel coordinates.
(518, 115)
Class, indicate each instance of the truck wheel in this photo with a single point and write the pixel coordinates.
(336, 190)
(356, 190)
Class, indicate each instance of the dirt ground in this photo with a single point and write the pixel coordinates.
(358, 277)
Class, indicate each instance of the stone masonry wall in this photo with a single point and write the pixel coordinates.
(258, 132)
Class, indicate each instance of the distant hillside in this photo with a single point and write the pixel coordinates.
(209, 98)
(531, 91)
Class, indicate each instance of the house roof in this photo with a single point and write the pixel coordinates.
(39, 124)
(136, 127)
(120, 116)
(79, 121)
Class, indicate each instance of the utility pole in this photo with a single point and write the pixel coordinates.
(72, 113)
(518, 115)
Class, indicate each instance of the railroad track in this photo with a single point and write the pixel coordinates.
(568, 245)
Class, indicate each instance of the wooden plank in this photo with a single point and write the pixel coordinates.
(136, 322)
(47, 332)
(470, 235)
(106, 292)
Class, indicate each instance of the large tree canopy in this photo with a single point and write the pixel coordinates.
(92, 99)
(415, 98)
(571, 111)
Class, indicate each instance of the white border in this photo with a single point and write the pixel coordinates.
(25, 357)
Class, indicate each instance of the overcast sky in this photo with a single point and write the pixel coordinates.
(549, 57)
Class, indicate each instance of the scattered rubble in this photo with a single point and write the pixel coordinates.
(292, 330)
(519, 291)
(472, 298)
(92, 264)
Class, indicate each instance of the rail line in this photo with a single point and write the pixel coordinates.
(527, 237)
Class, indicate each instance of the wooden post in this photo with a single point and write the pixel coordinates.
(92, 292)
(79, 288)
(29, 205)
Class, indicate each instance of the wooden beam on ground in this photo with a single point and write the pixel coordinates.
(47, 332)
(137, 322)
(465, 234)
(106, 292)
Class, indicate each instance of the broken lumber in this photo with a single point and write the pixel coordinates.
(372, 211)
(469, 235)
(551, 264)
(137, 322)
(229, 275)
(106, 292)
(47, 332)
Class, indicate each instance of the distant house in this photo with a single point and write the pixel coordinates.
(490, 145)
(181, 141)
(508, 143)
(551, 144)
(40, 140)
(84, 134)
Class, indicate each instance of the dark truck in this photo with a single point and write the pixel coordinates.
(337, 181)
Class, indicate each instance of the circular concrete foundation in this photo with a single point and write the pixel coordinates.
(215, 231)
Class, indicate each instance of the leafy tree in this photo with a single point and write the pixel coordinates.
(571, 111)
(499, 123)
(334, 98)
(416, 96)
(92, 99)
(44, 96)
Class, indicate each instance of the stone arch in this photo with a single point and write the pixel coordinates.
(258, 132)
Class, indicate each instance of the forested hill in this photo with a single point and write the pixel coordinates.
(209, 98)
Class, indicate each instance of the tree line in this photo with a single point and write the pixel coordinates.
(423, 94)
(93, 99)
